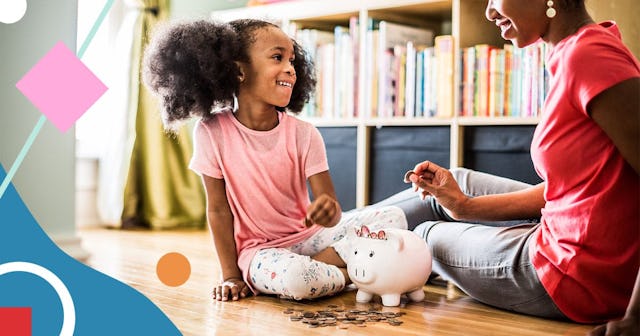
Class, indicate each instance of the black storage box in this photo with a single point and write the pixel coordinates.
(396, 149)
(341, 144)
(500, 150)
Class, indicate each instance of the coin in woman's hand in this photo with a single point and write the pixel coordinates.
(407, 175)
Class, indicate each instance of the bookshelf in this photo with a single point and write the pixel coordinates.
(463, 20)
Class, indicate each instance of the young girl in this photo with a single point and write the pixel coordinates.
(255, 161)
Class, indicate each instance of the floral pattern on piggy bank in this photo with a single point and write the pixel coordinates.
(388, 263)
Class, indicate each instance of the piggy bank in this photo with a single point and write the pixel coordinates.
(388, 263)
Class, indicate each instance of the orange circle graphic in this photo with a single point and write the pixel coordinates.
(173, 269)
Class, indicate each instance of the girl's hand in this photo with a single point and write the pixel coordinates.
(433, 180)
(233, 288)
(322, 211)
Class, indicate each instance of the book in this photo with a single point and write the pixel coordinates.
(326, 57)
(496, 82)
(371, 74)
(429, 77)
(468, 81)
(398, 80)
(344, 86)
(481, 94)
(391, 56)
(508, 79)
(410, 80)
(443, 47)
(386, 84)
(354, 33)
(419, 87)
(313, 41)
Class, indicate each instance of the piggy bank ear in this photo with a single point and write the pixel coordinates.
(396, 240)
(353, 233)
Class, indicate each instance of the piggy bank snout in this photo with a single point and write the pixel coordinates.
(362, 266)
(361, 274)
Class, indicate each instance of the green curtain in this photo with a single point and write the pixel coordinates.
(160, 191)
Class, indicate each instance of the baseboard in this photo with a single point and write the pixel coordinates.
(71, 245)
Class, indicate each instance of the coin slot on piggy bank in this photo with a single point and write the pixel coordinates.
(388, 263)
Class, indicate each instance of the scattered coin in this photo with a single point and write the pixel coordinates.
(394, 322)
(336, 316)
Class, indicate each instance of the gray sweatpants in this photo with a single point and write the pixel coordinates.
(487, 260)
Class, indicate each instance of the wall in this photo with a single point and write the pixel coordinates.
(181, 9)
(46, 178)
(625, 13)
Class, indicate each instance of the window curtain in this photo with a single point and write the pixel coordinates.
(147, 183)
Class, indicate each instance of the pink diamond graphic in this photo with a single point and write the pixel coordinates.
(61, 87)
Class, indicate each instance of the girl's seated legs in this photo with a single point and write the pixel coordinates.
(287, 274)
(294, 272)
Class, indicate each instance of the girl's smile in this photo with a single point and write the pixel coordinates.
(270, 75)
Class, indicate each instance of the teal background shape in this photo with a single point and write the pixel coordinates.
(103, 305)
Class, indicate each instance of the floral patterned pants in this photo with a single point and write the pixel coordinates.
(292, 273)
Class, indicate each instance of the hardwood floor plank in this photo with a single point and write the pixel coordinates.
(131, 257)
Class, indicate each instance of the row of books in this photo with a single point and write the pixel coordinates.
(335, 56)
(396, 61)
(385, 62)
(409, 72)
(502, 82)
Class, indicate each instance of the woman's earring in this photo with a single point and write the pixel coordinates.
(551, 12)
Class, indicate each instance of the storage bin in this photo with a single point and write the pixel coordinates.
(396, 149)
(500, 150)
(341, 145)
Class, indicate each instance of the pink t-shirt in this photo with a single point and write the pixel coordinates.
(586, 252)
(265, 174)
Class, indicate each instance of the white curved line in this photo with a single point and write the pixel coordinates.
(68, 309)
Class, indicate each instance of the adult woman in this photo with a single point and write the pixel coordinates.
(579, 258)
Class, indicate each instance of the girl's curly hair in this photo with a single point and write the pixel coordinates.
(192, 67)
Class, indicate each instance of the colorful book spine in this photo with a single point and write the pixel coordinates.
(467, 81)
(419, 87)
(444, 53)
(481, 93)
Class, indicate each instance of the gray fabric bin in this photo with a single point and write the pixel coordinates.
(396, 149)
(501, 150)
(341, 153)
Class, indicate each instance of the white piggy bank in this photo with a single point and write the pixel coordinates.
(388, 263)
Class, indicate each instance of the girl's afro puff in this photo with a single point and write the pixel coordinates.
(192, 67)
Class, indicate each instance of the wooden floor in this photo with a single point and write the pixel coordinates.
(131, 257)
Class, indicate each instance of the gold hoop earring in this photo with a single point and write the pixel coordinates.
(551, 12)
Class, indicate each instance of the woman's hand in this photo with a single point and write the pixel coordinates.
(233, 288)
(629, 325)
(322, 211)
(433, 180)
